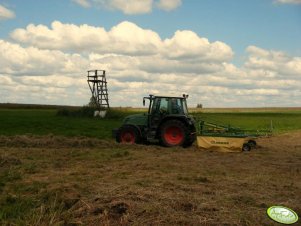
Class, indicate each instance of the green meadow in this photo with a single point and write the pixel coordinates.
(48, 122)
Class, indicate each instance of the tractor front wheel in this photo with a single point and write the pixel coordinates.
(127, 135)
(173, 133)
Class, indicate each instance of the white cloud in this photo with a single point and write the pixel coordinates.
(288, 1)
(127, 7)
(5, 13)
(131, 7)
(5, 80)
(83, 3)
(61, 36)
(273, 63)
(188, 45)
(17, 60)
(129, 38)
(168, 5)
(54, 61)
(126, 38)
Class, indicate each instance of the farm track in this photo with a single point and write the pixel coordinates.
(88, 181)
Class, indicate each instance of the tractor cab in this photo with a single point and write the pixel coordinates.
(167, 121)
(167, 105)
(161, 107)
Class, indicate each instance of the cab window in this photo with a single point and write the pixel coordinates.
(176, 106)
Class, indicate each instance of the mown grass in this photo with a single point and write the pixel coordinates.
(114, 184)
(27, 194)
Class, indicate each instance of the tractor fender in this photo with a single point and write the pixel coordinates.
(180, 118)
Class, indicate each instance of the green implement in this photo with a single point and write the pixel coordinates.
(227, 138)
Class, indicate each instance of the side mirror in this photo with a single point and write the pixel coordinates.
(143, 102)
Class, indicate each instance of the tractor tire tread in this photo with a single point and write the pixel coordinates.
(128, 128)
(179, 124)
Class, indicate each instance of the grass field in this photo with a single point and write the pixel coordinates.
(45, 122)
(57, 170)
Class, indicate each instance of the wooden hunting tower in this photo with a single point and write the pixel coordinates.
(98, 86)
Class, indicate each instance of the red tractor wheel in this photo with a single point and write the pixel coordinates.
(173, 133)
(127, 135)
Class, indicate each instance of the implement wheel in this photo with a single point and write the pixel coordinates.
(246, 147)
(252, 143)
(173, 133)
(127, 135)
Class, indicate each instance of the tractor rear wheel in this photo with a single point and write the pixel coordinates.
(127, 135)
(173, 133)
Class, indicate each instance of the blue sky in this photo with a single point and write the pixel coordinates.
(253, 34)
(263, 23)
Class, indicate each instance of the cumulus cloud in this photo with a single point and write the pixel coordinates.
(54, 60)
(5, 13)
(83, 3)
(125, 37)
(272, 63)
(17, 60)
(131, 7)
(188, 45)
(60, 36)
(288, 1)
(127, 7)
(168, 5)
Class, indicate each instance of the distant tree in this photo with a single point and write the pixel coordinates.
(199, 106)
(93, 102)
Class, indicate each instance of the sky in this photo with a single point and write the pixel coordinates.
(229, 53)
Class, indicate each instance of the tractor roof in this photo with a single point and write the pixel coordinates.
(169, 96)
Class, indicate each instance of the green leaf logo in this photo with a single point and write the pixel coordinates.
(282, 215)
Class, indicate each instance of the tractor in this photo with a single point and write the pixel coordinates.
(166, 121)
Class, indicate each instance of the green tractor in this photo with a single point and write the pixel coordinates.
(167, 121)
